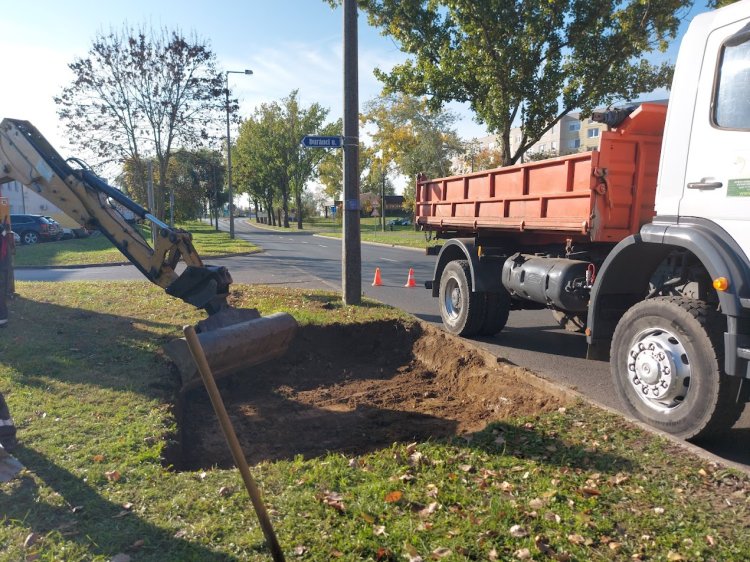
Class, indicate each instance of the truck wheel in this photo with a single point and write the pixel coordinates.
(570, 321)
(462, 311)
(497, 308)
(666, 363)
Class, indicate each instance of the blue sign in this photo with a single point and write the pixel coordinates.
(314, 141)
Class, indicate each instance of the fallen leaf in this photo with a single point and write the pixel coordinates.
(299, 550)
(180, 534)
(112, 475)
(710, 540)
(518, 532)
(393, 497)
(31, 540)
(702, 472)
(336, 553)
(98, 458)
(367, 517)
(674, 556)
(416, 458)
(334, 500)
(137, 544)
(522, 554)
(615, 546)
(429, 510)
(379, 531)
(441, 552)
(382, 554)
(658, 510)
(590, 492)
(536, 503)
(576, 539)
(492, 555)
(432, 491)
(549, 516)
(127, 505)
(542, 544)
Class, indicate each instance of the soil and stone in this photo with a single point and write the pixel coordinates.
(356, 388)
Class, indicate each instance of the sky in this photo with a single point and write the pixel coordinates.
(289, 44)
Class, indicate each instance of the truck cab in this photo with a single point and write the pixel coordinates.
(687, 373)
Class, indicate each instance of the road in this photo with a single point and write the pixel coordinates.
(531, 339)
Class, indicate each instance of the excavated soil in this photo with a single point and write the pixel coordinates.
(356, 388)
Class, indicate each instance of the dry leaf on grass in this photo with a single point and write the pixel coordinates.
(393, 497)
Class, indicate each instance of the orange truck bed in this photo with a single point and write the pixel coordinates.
(600, 196)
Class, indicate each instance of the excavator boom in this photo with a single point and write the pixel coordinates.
(27, 157)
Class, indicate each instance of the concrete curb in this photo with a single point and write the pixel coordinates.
(121, 263)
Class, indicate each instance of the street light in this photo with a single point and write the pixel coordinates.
(229, 152)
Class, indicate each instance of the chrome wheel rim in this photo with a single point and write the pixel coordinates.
(658, 369)
(452, 300)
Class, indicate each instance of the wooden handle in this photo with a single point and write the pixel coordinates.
(201, 362)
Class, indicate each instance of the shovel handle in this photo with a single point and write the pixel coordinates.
(196, 350)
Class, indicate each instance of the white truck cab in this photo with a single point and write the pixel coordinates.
(671, 304)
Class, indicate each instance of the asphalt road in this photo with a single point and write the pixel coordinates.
(531, 339)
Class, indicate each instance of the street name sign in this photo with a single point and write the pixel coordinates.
(315, 141)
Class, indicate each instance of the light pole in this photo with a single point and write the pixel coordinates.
(229, 152)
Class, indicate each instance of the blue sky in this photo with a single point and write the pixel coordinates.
(288, 44)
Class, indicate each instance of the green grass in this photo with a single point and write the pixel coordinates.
(94, 407)
(98, 249)
(370, 231)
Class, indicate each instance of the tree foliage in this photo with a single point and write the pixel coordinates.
(143, 93)
(412, 135)
(268, 161)
(526, 61)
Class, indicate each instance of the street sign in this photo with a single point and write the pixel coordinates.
(315, 141)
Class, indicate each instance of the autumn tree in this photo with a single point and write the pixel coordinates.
(197, 178)
(412, 135)
(526, 62)
(142, 93)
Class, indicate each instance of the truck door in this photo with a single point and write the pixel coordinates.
(717, 179)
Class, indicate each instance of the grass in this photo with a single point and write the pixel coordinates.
(96, 418)
(370, 231)
(98, 249)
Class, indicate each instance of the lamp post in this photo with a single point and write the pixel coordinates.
(229, 151)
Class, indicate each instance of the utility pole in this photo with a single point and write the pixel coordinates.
(351, 248)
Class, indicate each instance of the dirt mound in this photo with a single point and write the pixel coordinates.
(356, 388)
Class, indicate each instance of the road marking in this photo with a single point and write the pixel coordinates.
(389, 259)
(322, 245)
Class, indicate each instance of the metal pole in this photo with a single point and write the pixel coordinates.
(229, 151)
(351, 248)
(150, 192)
(229, 164)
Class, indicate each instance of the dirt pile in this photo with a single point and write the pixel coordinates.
(356, 388)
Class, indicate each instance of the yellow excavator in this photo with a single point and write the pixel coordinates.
(232, 338)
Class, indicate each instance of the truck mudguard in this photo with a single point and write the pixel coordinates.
(485, 273)
(624, 276)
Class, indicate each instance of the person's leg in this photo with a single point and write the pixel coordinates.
(7, 427)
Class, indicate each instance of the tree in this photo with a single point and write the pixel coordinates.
(270, 164)
(197, 178)
(526, 61)
(143, 93)
(414, 136)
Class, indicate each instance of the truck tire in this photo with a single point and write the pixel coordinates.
(570, 321)
(497, 309)
(667, 368)
(462, 311)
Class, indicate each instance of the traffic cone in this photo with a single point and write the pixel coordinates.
(377, 282)
(410, 281)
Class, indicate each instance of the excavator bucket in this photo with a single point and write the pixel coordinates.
(233, 340)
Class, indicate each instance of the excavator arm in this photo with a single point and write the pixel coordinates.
(27, 157)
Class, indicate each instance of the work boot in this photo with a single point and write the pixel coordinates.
(7, 427)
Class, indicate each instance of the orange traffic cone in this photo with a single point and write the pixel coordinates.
(410, 281)
(377, 282)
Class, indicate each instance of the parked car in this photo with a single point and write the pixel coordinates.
(16, 238)
(34, 228)
(399, 222)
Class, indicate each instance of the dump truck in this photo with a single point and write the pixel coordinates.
(643, 243)
(232, 338)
